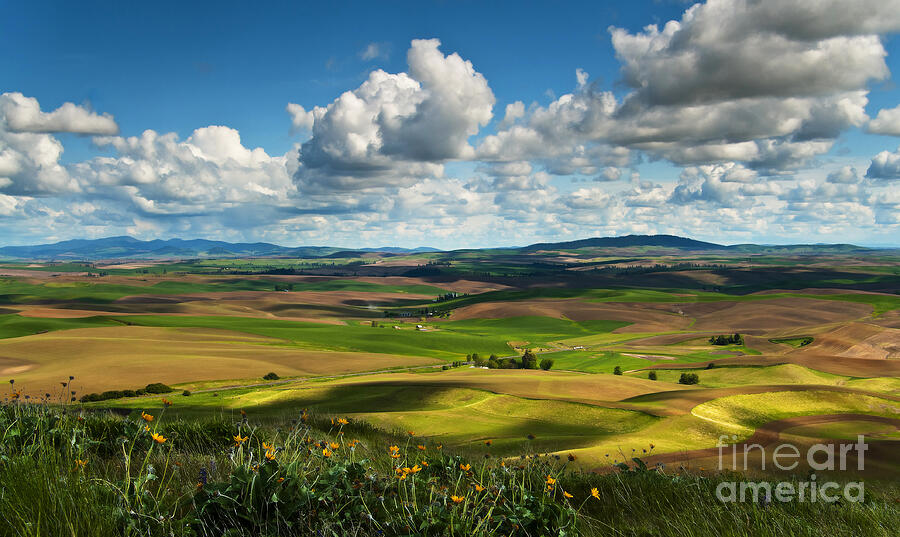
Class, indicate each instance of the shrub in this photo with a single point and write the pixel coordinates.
(129, 393)
(111, 394)
(688, 378)
(271, 376)
(546, 364)
(186, 393)
(652, 375)
(157, 388)
(733, 339)
(617, 370)
(529, 360)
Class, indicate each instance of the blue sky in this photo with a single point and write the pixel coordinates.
(739, 121)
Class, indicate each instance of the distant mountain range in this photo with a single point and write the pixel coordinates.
(628, 241)
(125, 247)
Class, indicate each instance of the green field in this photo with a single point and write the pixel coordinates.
(743, 413)
(17, 292)
(14, 325)
(723, 377)
(447, 345)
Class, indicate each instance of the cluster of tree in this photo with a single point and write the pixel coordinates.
(284, 287)
(298, 269)
(449, 296)
(154, 388)
(271, 376)
(643, 269)
(733, 339)
(527, 361)
(688, 378)
(421, 312)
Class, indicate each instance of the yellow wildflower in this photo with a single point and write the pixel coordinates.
(457, 499)
(160, 439)
(146, 417)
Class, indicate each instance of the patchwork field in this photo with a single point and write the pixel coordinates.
(435, 348)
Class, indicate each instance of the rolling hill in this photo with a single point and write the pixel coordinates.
(125, 247)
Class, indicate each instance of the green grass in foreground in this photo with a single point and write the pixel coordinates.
(94, 474)
(457, 416)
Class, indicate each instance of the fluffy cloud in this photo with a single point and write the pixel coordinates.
(886, 122)
(397, 128)
(30, 154)
(767, 83)
(739, 49)
(845, 176)
(159, 174)
(726, 185)
(885, 165)
(514, 111)
(301, 119)
(23, 114)
(609, 173)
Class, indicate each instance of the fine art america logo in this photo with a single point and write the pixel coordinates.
(786, 457)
